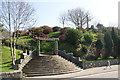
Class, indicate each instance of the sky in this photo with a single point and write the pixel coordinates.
(48, 11)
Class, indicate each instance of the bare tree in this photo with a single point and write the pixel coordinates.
(78, 17)
(15, 16)
(62, 19)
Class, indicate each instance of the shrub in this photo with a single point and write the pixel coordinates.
(44, 36)
(115, 42)
(84, 50)
(24, 33)
(67, 47)
(81, 52)
(47, 29)
(62, 37)
(63, 30)
(118, 46)
(88, 37)
(47, 47)
(108, 44)
(38, 31)
(31, 31)
(99, 46)
(56, 28)
(35, 31)
(72, 36)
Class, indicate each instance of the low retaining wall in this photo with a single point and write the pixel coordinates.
(16, 75)
(87, 64)
(91, 64)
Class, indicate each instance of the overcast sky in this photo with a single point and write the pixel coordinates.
(103, 11)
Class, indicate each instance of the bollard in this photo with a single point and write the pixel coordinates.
(28, 52)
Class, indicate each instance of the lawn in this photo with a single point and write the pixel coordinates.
(24, 40)
(6, 65)
(54, 34)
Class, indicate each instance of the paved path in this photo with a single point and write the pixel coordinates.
(112, 74)
(98, 72)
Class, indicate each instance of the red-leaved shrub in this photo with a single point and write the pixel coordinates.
(62, 37)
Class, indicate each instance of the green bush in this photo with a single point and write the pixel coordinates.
(67, 47)
(119, 46)
(84, 49)
(88, 37)
(56, 28)
(81, 52)
(115, 42)
(99, 45)
(47, 47)
(63, 30)
(72, 36)
(47, 29)
(108, 44)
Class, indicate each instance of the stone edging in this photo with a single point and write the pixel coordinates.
(9, 75)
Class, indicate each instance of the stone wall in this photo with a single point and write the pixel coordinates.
(16, 75)
(70, 58)
(91, 64)
(87, 64)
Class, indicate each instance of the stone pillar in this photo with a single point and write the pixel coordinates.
(39, 47)
(56, 47)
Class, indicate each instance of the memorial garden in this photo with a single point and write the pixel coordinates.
(48, 50)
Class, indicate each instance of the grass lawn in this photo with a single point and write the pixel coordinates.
(6, 65)
(54, 34)
(24, 40)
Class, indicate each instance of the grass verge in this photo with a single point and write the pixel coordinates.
(6, 65)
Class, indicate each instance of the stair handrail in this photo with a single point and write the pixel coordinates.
(70, 58)
(26, 60)
(62, 51)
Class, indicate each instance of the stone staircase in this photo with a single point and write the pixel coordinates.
(49, 65)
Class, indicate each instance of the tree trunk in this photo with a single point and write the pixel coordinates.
(63, 24)
(87, 22)
(14, 46)
(11, 46)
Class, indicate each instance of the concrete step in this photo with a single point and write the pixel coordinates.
(31, 74)
(49, 65)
